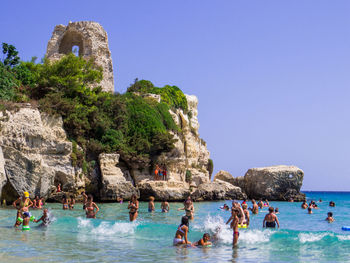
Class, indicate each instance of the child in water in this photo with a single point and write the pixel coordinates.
(151, 207)
(25, 221)
(204, 241)
(44, 218)
(330, 218)
(165, 206)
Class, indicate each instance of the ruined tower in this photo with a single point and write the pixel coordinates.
(90, 39)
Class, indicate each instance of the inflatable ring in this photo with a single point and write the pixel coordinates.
(242, 226)
(346, 228)
(19, 219)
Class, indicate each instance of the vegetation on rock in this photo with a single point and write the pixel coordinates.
(136, 127)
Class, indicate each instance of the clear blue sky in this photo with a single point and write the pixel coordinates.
(272, 77)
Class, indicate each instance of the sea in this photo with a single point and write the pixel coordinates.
(111, 237)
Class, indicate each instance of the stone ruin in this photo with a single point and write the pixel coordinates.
(90, 40)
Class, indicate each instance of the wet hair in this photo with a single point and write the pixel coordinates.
(330, 214)
(184, 221)
(206, 235)
(271, 209)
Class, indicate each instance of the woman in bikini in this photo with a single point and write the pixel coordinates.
(38, 203)
(181, 232)
(71, 202)
(90, 208)
(234, 225)
(23, 203)
(133, 206)
(65, 205)
(189, 208)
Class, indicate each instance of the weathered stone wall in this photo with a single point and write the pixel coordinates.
(92, 41)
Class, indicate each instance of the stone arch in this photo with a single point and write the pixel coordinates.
(71, 38)
(9, 193)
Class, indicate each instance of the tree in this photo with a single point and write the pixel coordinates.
(11, 55)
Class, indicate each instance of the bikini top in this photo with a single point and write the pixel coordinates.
(180, 229)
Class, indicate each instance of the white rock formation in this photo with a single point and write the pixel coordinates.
(92, 41)
(114, 182)
(36, 151)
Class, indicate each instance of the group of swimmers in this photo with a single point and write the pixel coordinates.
(313, 205)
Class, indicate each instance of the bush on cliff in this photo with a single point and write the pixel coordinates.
(137, 128)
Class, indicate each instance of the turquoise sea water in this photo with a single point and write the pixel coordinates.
(111, 238)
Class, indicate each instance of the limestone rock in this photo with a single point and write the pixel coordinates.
(92, 41)
(168, 190)
(217, 190)
(114, 182)
(227, 177)
(274, 183)
(36, 152)
(3, 178)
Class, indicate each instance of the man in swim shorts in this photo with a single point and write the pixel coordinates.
(255, 208)
(271, 219)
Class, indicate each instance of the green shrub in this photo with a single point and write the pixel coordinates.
(8, 84)
(210, 167)
(188, 176)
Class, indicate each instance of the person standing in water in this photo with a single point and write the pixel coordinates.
(134, 207)
(181, 232)
(234, 226)
(90, 208)
(304, 205)
(246, 214)
(23, 206)
(65, 205)
(330, 218)
(255, 208)
(151, 207)
(271, 219)
(44, 218)
(71, 202)
(188, 207)
(261, 204)
(85, 197)
(165, 206)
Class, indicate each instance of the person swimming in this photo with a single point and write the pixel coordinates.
(330, 218)
(134, 207)
(271, 219)
(331, 204)
(44, 218)
(165, 206)
(277, 211)
(309, 210)
(181, 232)
(304, 205)
(90, 208)
(204, 241)
(151, 207)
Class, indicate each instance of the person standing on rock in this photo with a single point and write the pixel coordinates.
(134, 207)
(165, 174)
(156, 171)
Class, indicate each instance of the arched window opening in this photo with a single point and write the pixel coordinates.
(75, 50)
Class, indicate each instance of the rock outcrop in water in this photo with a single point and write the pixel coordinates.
(279, 183)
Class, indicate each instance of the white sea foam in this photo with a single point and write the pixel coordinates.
(216, 225)
(311, 237)
(343, 238)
